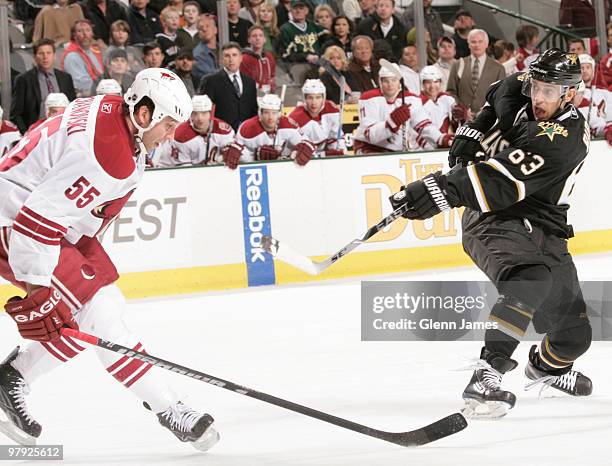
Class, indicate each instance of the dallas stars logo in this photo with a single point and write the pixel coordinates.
(551, 129)
(573, 58)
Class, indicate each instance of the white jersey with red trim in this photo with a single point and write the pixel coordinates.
(321, 129)
(189, 146)
(9, 135)
(252, 135)
(67, 178)
(597, 123)
(373, 134)
(601, 101)
(440, 113)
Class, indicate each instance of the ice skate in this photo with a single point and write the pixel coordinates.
(573, 382)
(483, 396)
(189, 426)
(15, 421)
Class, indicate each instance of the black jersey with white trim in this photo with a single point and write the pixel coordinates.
(530, 168)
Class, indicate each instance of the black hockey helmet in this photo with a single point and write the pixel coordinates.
(555, 66)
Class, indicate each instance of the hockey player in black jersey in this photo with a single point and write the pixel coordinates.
(514, 169)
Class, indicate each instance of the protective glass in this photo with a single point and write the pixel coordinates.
(545, 91)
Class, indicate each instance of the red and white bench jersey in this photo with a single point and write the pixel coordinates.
(600, 99)
(9, 135)
(440, 114)
(591, 114)
(321, 129)
(67, 178)
(189, 146)
(252, 135)
(373, 135)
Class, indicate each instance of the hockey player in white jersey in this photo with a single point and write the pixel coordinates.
(596, 103)
(388, 119)
(9, 134)
(108, 87)
(268, 136)
(319, 120)
(60, 186)
(198, 141)
(55, 104)
(439, 107)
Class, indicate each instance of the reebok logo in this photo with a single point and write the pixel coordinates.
(436, 193)
(256, 220)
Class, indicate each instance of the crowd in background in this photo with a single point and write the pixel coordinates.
(97, 46)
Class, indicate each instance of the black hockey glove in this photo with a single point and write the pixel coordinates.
(466, 146)
(426, 197)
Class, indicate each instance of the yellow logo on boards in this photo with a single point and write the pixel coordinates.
(551, 129)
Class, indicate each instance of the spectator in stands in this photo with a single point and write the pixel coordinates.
(356, 10)
(409, 66)
(168, 39)
(152, 55)
(238, 27)
(464, 23)
(117, 69)
(337, 58)
(505, 55)
(188, 34)
(119, 38)
(183, 67)
(205, 53)
(432, 54)
(108, 87)
(144, 22)
(362, 67)
(527, 37)
(250, 11)
(385, 25)
(324, 16)
(32, 87)
(606, 61)
(233, 93)
(269, 21)
(9, 134)
(470, 77)
(576, 46)
(342, 33)
(283, 11)
(55, 21)
(55, 104)
(446, 58)
(82, 59)
(580, 14)
(382, 49)
(103, 13)
(257, 63)
(433, 22)
(300, 42)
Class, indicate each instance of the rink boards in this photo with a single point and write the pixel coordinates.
(197, 229)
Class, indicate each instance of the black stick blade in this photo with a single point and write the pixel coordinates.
(443, 428)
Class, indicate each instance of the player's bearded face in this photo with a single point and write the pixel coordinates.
(268, 119)
(200, 121)
(161, 132)
(390, 87)
(431, 88)
(314, 103)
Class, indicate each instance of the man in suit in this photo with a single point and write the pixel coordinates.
(32, 87)
(470, 77)
(233, 93)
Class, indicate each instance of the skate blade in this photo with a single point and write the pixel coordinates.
(209, 439)
(15, 433)
(474, 409)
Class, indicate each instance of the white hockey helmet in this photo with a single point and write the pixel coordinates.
(166, 91)
(385, 72)
(108, 86)
(56, 99)
(585, 58)
(431, 73)
(269, 102)
(313, 86)
(201, 103)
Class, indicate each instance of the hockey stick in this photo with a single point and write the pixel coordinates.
(389, 67)
(286, 254)
(341, 80)
(211, 125)
(444, 427)
(280, 114)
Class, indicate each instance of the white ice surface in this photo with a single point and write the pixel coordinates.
(303, 343)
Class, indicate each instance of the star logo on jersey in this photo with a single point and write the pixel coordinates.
(551, 129)
(522, 77)
(573, 58)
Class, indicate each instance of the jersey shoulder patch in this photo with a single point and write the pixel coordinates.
(299, 115)
(251, 128)
(184, 132)
(287, 123)
(221, 127)
(113, 143)
(329, 107)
